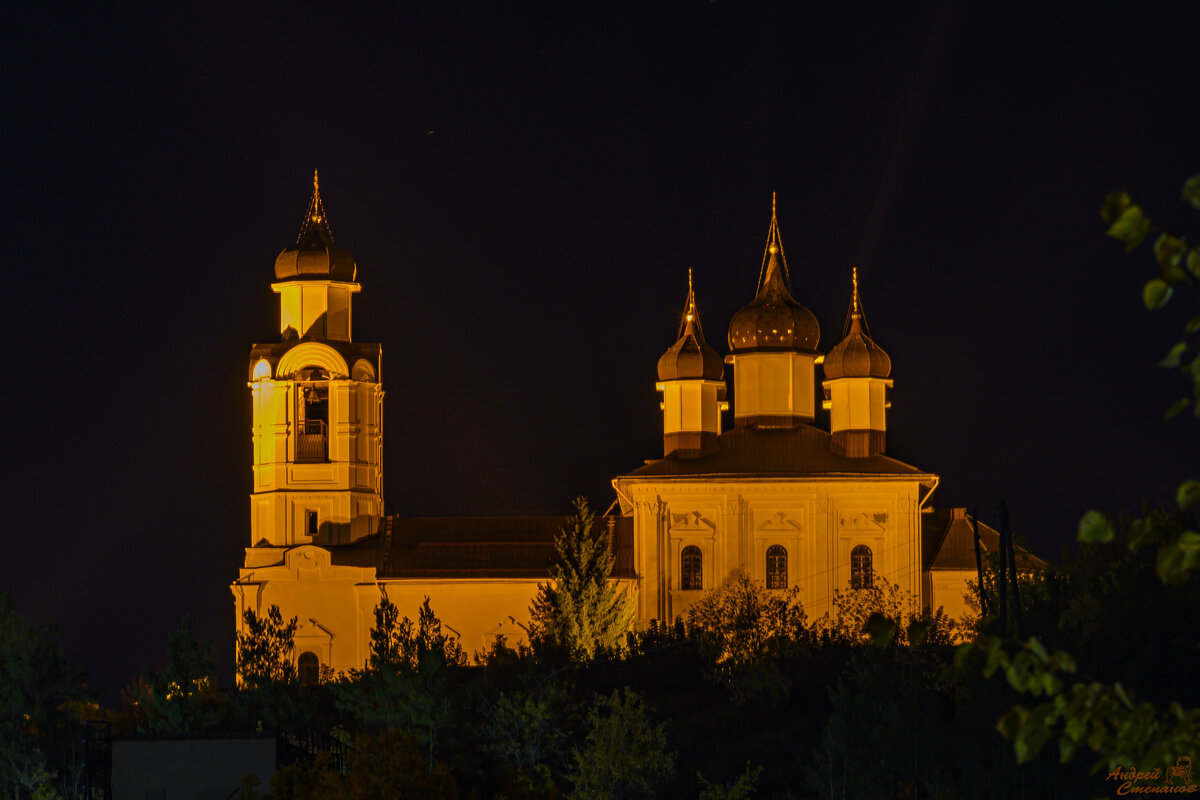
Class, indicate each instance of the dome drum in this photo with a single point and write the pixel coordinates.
(858, 444)
(690, 444)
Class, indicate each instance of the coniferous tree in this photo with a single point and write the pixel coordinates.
(580, 609)
(184, 696)
(264, 651)
(409, 683)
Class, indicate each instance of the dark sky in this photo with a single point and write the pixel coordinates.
(524, 191)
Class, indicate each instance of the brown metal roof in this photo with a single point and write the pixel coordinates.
(474, 547)
(949, 542)
(765, 452)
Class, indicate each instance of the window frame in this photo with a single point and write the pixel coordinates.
(862, 567)
(777, 578)
(691, 575)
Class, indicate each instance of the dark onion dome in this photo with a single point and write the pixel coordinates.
(690, 356)
(774, 321)
(315, 256)
(857, 355)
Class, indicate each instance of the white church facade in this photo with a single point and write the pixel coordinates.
(775, 497)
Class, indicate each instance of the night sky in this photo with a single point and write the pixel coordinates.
(524, 192)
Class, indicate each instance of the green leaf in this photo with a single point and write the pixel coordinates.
(1115, 204)
(1189, 541)
(1169, 565)
(1094, 528)
(1156, 293)
(1168, 251)
(1033, 734)
(1131, 227)
(1191, 191)
(1191, 552)
(1010, 724)
(1193, 261)
(1171, 359)
(1193, 324)
(1038, 649)
(1177, 406)
(1188, 494)
(1066, 748)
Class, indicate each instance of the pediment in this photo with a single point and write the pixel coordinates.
(780, 521)
(865, 521)
(693, 521)
(307, 556)
(310, 628)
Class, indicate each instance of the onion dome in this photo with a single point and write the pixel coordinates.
(774, 321)
(315, 256)
(857, 355)
(690, 356)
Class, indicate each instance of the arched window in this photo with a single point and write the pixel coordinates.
(691, 575)
(861, 576)
(776, 567)
(308, 668)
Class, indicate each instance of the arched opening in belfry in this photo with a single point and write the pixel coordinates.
(312, 414)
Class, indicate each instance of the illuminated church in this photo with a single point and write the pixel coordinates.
(774, 497)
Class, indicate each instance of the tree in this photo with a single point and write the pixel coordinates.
(184, 696)
(529, 729)
(384, 765)
(741, 788)
(1107, 718)
(410, 678)
(625, 754)
(580, 609)
(265, 649)
(745, 621)
(746, 630)
(882, 614)
(37, 684)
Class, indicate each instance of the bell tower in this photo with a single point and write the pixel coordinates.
(317, 403)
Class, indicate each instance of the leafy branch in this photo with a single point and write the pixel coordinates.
(1178, 264)
(1102, 717)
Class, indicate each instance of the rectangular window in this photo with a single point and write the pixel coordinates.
(312, 522)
